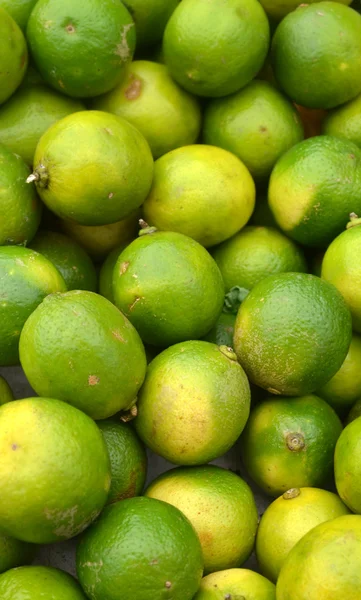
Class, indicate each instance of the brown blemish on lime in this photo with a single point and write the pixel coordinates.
(110, 196)
(109, 131)
(123, 49)
(117, 335)
(93, 380)
(134, 88)
(154, 561)
(292, 493)
(295, 442)
(70, 28)
(263, 129)
(136, 300)
(168, 585)
(123, 267)
(14, 446)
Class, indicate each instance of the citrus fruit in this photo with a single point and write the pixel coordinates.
(289, 442)
(190, 389)
(201, 191)
(57, 457)
(214, 49)
(128, 460)
(345, 121)
(79, 348)
(6, 394)
(344, 388)
(314, 187)
(14, 553)
(37, 582)
(355, 412)
(150, 18)
(20, 209)
(164, 113)
(235, 583)
(325, 564)
(106, 273)
(81, 49)
(348, 465)
(28, 114)
(26, 277)
(168, 286)
(279, 9)
(220, 506)
(254, 253)
(223, 330)
(13, 55)
(19, 10)
(100, 183)
(258, 124)
(316, 54)
(99, 240)
(288, 519)
(140, 548)
(292, 333)
(312, 120)
(341, 266)
(69, 258)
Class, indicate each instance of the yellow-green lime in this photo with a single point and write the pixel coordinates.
(97, 363)
(344, 388)
(168, 286)
(325, 564)
(316, 54)
(314, 187)
(128, 460)
(167, 116)
(56, 455)
(105, 180)
(14, 553)
(290, 442)
(69, 258)
(280, 8)
(348, 465)
(6, 394)
(28, 114)
(258, 124)
(106, 273)
(38, 582)
(140, 548)
(200, 393)
(201, 191)
(212, 48)
(234, 584)
(150, 18)
(255, 253)
(26, 278)
(19, 10)
(345, 121)
(223, 330)
(81, 49)
(20, 209)
(13, 55)
(292, 333)
(221, 508)
(341, 266)
(288, 519)
(355, 412)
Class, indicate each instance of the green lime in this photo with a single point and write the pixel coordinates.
(69, 258)
(97, 363)
(106, 273)
(14, 553)
(128, 460)
(289, 443)
(235, 584)
(201, 191)
(221, 508)
(190, 389)
(57, 457)
(150, 17)
(28, 114)
(288, 519)
(223, 330)
(258, 124)
(278, 9)
(26, 278)
(81, 49)
(316, 54)
(13, 55)
(6, 394)
(345, 121)
(19, 10)
(348, 465)
(213, 48)
(140, 548)
(35, 583)
(101, 182)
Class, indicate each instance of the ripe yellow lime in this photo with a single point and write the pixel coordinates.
(348, 465)
(13, 55)
(288, 519)
(201, 191)
(235, 584)
(38, 582)
(345, 121)
(6, 394)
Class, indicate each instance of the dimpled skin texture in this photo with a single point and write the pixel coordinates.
(213, 48)
(26, 278)
(91, 161)
(54, 473)
(292, 333)
(169, 287)
(13, 55)
(189, 389)
(325, 564)
(136, 549)
(81, 48)
(20, 209)
(314, 187)
(348, 465)
(316, 55)
(221, 508)
(80, 348)
(39, 583)
(236, 584)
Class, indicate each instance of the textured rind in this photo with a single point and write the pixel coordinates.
(39, 583)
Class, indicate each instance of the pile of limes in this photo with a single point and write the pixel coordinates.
(180, 277)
